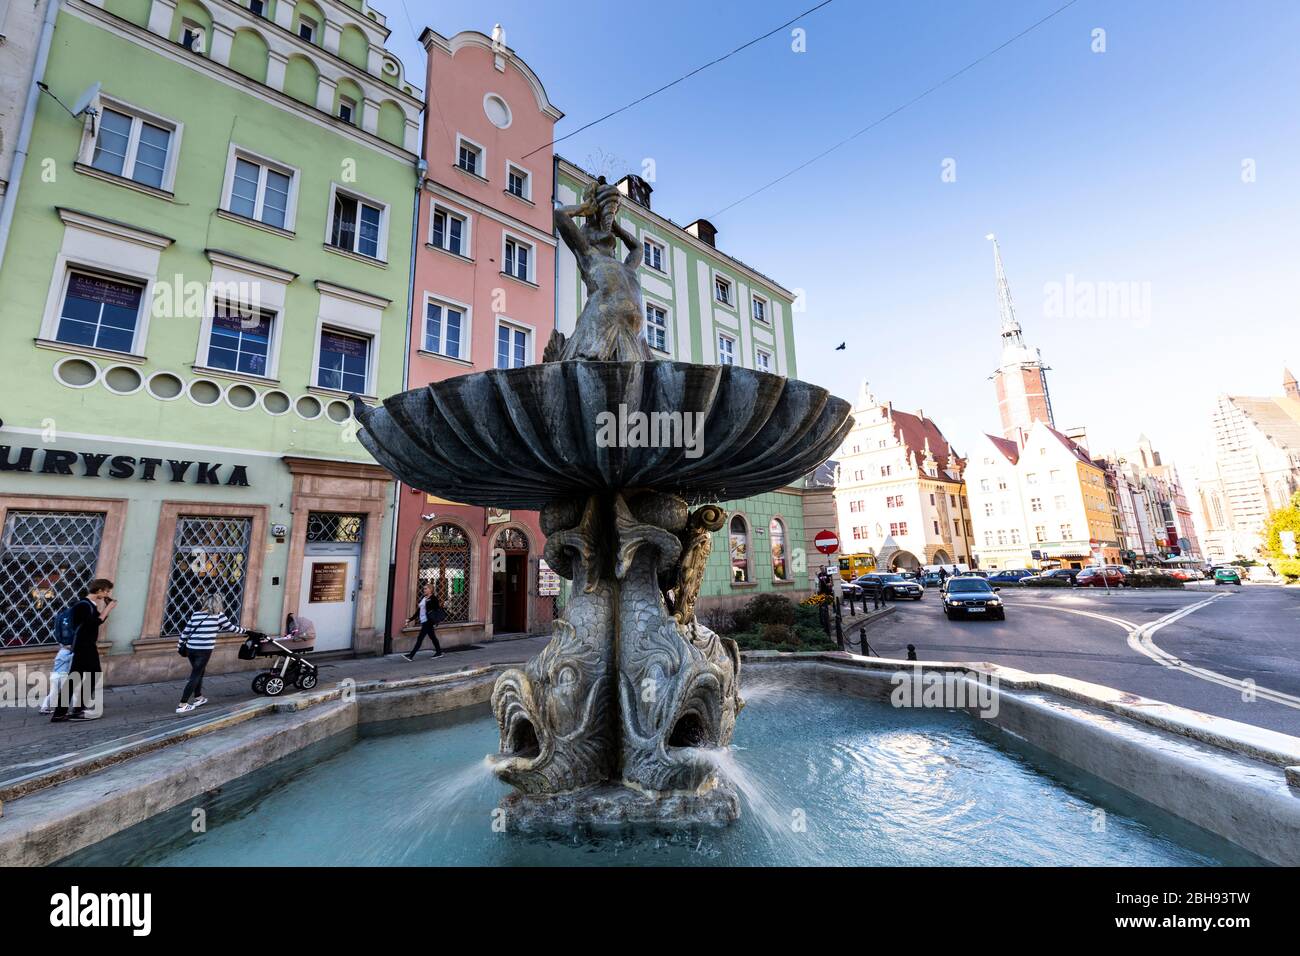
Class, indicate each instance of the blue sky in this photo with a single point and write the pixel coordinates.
(1117, 167)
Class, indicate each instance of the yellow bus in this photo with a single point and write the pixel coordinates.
(853, 565)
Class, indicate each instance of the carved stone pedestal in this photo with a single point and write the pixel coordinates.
(612, 805)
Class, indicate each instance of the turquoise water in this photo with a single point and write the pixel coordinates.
(826, 780)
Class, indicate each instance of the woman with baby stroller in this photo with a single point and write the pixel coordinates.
(197, 641)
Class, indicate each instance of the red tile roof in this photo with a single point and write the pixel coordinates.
(1010, 450)
(914, 430)
(1074, 447)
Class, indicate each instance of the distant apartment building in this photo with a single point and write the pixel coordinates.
(1039, 503)
(704, 305)
(1256, 468)
(900, 497)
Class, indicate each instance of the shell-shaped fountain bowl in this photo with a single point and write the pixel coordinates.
(520, 438)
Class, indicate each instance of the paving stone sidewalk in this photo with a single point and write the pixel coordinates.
(28, 738)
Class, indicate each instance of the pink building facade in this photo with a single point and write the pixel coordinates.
(484, 297)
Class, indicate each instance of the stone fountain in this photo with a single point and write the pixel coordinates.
(625, 458)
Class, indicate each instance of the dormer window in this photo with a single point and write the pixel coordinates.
(348, 110)
(307, 29)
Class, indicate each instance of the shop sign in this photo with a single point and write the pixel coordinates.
(548, 580)
(86, 464)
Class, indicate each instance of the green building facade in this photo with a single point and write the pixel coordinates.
(203, 264)
(703, 305)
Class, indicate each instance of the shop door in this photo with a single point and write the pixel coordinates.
(510, 596)
(329, 598)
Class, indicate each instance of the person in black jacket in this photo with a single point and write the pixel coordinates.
(429, 612)
(83, 684)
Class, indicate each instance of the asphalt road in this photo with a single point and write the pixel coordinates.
(1244, 634)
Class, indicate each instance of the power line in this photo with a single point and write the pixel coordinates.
(898, 109)
(686, 76)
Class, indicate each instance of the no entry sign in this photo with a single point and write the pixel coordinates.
(827, 542)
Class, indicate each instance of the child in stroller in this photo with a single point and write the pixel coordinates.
(290, 650)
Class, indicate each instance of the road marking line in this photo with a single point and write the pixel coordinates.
(1139, 639)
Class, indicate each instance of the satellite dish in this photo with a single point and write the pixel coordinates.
(85, 99)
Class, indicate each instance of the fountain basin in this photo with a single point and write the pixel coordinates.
(525, 437)
(819, 736)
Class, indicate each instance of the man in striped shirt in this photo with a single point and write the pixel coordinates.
(197, 641)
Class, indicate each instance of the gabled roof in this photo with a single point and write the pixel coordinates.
(914, 431)
(1009, 449)
(1075, 448)
(1277, 418)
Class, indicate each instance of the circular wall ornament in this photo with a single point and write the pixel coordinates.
(76, 372)
(165, 386)
(497, 110)
(123, 380)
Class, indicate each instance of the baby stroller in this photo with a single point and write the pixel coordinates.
(291, 667)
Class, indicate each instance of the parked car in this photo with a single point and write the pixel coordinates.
(1011, 576)
(973, 574)
(1055, 578)
(1227, 576)
(851, 589)
(933, 579)
(1095, 577)
(972, 596)
(892, 587)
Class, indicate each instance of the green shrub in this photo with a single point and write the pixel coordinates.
(1289, 568)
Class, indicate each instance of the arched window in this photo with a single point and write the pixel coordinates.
(739, 551)
(445, 560)
(776, 535)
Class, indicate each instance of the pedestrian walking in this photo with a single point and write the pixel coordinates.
(429, 612)
(943, 575)
(83, 683)
(197, 641)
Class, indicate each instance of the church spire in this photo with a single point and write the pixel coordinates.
(1289, 384)
(1010, 327)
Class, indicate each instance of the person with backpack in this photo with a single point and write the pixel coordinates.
(197, 641)
(78, 625)
(430, 614)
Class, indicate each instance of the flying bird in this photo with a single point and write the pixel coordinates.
(840, 347)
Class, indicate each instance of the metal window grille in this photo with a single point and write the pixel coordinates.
(444, 560)
(209, 556)
(335, 527)
(512, 539)
(46, 560)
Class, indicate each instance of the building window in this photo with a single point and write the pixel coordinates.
(776, 537)
(758, 307)
(356, 225)
(988, 509)
(1067, 532)
(240, 340)
(763, 360)
(344, 362)
(518, 182)
(261, 192)
(932, 501)
(656, 326)
(1031, 478)
(512, 346)
(335, 527)
(936, 527)
(450, 231)
(1060, 502)
(956, 528)
(445, 562)
(1035, 504)
(444, 329)
(348, 110)
(130, 147)
(46, 560)
(1054, 475)
(191, 36)
(98, 312)
(209, 556)
(739, 551)
(469, 157)
(257, 7)
(898, 527)
(307, 29)
(1040, 532)
(886, 471)
(654, 254)
(726, 350)
(988, 539)
(722, 290)
(984, 484)
(894, 501)
(1015, 535)
(518, 259)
